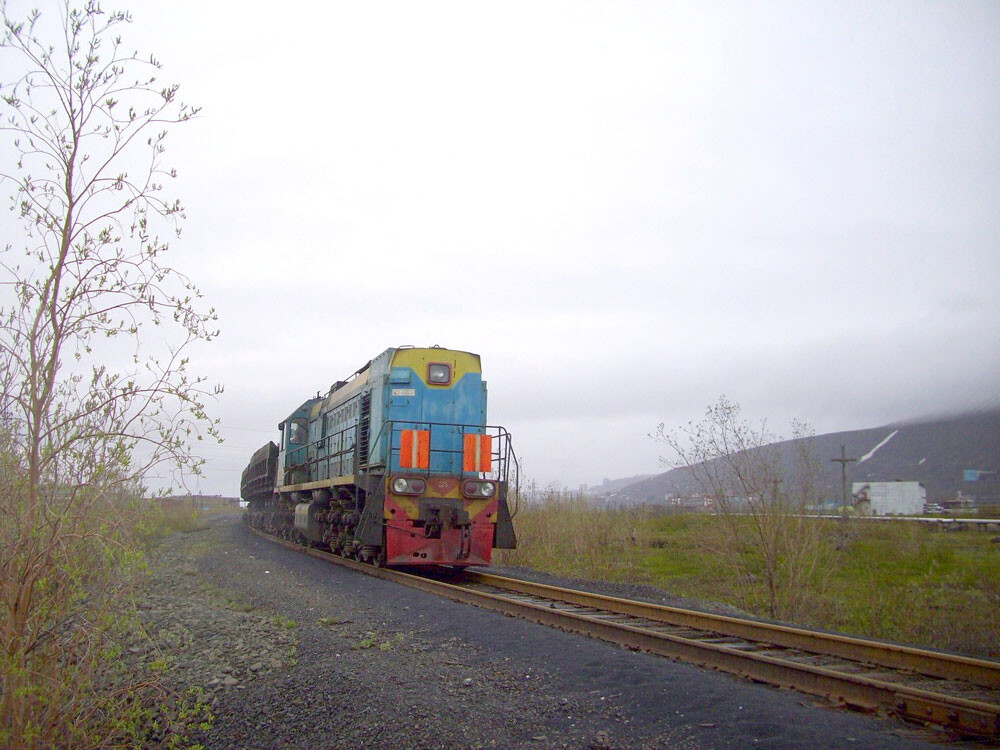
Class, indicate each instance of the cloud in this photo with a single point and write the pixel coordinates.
(626, 209)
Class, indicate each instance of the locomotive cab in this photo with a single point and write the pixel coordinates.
(294, 453)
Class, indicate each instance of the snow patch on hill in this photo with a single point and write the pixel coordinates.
(871, 453)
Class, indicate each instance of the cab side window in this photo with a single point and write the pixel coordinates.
(299, 434)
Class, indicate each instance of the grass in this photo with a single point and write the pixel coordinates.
(284, 622)
(158, 521)
(372, 639)
(907, 582)
(897, 581)
(74, 565)
(568, 536)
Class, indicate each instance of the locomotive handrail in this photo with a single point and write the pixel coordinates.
(517, 480)
(504, 451)
(330, 458)
(371, 447)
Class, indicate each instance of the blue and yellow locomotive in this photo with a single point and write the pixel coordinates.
(395, 465)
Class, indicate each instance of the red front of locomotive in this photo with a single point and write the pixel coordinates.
(445, 488)
(440, 520)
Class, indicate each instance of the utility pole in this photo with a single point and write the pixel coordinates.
(843, 461)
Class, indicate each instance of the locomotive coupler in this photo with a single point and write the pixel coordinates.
(442, 513)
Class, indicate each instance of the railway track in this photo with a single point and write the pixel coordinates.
(960, 694)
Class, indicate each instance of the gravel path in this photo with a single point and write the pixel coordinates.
(296, 653)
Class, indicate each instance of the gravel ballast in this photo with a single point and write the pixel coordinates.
(293, 652)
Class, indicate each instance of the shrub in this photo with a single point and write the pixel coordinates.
(568, 535)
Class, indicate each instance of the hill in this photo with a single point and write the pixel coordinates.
(608, 486)
(938, 453)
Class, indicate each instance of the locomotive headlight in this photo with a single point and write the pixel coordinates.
(404, 486)
(439, 373)
(478, 489)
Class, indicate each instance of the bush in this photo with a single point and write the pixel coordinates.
(70, 575)
(567, 535)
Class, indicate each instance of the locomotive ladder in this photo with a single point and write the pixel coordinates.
(364, 430)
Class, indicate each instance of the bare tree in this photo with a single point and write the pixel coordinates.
(762, 535)
(96, 390)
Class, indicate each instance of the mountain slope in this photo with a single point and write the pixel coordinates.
(614, 485)
(934, 452)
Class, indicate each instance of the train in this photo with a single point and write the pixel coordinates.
(395, 465)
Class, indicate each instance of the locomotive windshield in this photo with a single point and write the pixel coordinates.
(298, 433)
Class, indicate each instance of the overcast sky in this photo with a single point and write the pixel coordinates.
(627, 208)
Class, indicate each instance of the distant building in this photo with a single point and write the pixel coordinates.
(889, 498)
(199, 502)
(689, 503)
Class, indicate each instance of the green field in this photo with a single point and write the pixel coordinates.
(899, 581)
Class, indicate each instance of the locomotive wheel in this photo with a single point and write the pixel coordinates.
(378, 559)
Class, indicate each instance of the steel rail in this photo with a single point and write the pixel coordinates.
(935, 664)
(970, 717)
(976, 717)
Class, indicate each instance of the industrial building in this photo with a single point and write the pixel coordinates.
(889, 498)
